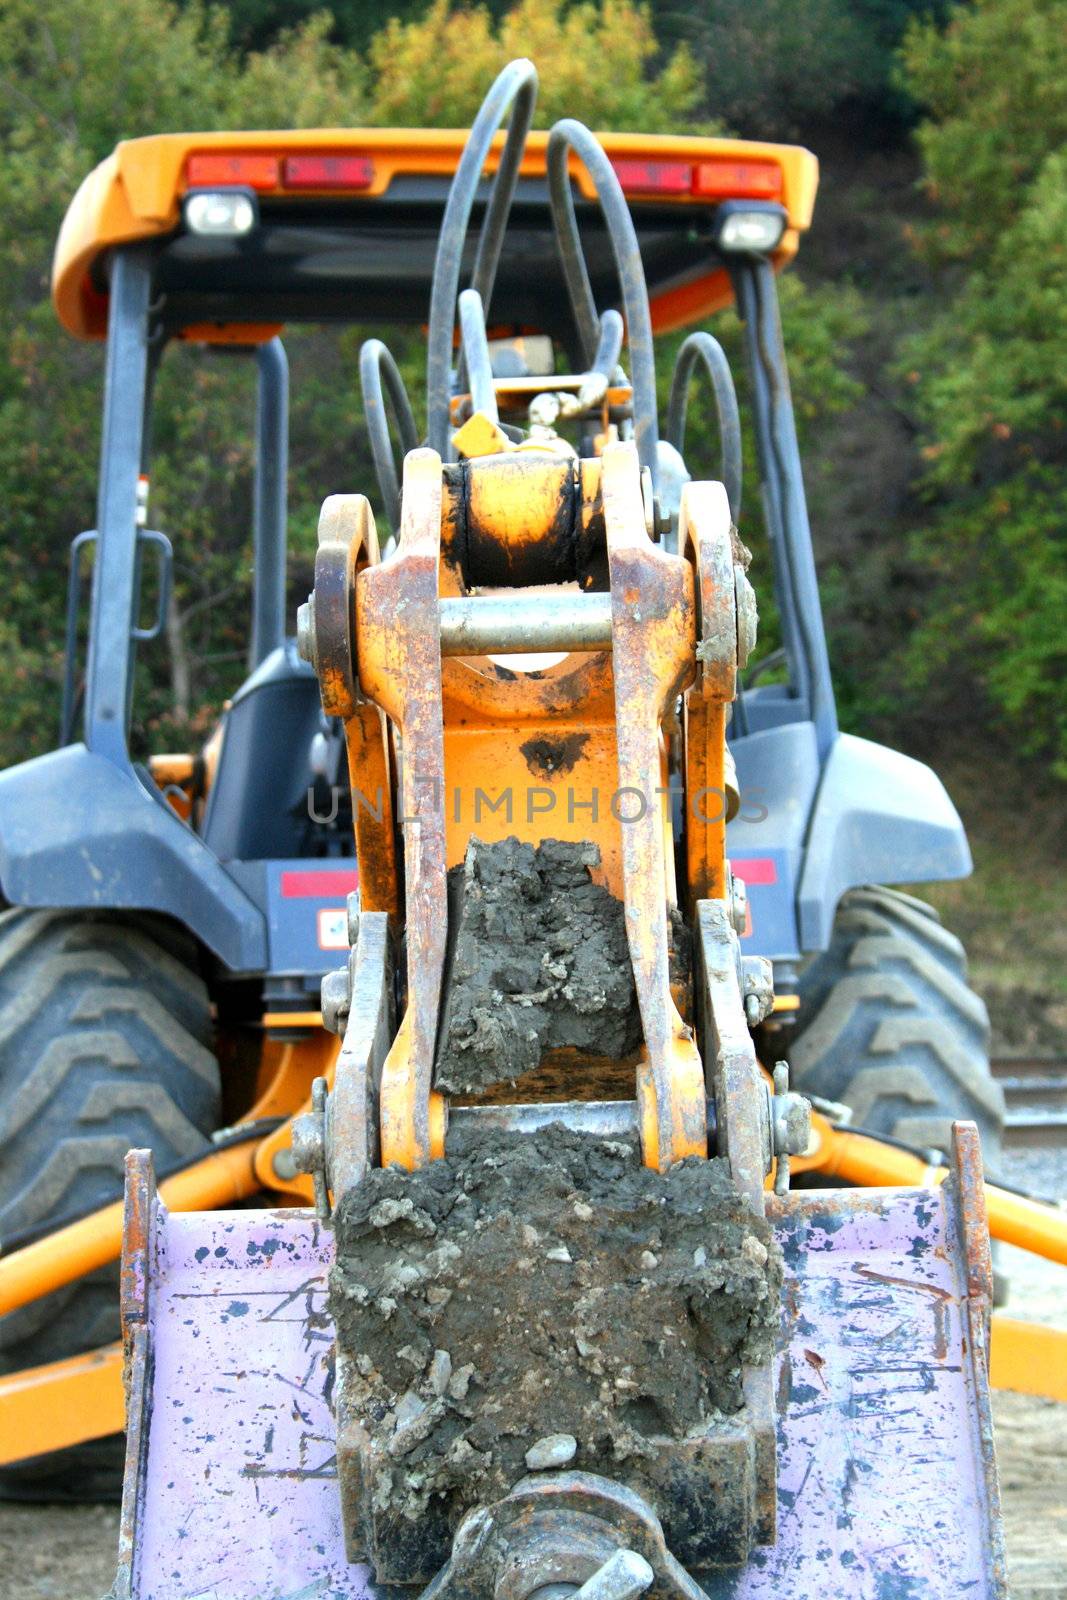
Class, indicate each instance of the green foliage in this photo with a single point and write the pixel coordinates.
(994, 88)
(598, 61)
(989, 378)
(74, 81)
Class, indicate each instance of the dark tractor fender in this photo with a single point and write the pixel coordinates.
(879, 818)
(78, 830)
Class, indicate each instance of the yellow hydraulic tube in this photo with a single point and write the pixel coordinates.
(64, 1403)
(227, 1176)
(67, 1402)
(1028, 1357)
(220, 1179)
(868, 1163)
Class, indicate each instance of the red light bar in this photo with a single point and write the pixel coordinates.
(653, 177)
(725, 179)
(220, 167)
(328, 172)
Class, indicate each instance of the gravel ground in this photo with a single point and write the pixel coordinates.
(68, 1553)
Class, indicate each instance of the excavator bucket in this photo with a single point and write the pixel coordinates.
(886, 1484)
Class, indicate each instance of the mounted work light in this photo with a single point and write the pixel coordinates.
(749, 227)
(220, 213)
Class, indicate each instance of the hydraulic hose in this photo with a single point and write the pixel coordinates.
(609, 346)
(515, 88)
(703, 348)
(476, 353)
(375, 364)
(566, 136)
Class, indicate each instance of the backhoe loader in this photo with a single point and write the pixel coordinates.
(499, 1280)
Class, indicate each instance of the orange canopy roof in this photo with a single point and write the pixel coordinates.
(136, 194)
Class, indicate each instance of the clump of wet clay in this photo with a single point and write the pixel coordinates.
(530, 1288)
(539, 962)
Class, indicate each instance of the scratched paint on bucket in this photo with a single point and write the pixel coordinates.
(880, 1478)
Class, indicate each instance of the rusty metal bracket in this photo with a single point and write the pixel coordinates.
(742, 1105)
(352, 1123)
(653, 631)
(398, 647)
(338, 1139)
(348, 544)
(706, 535)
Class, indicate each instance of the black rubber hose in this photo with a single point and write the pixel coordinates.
(515, 87)
(376, 363)
(702, 347)
(609, 346)
(476, 353)
(566, 136)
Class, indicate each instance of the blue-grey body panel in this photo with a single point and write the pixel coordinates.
(80, 830)
(879, 817)
(778, 775)
(804, 836)
(306, 903)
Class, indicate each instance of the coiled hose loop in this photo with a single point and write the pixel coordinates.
(566, 136)
(702, 347)
(515, 88)
(375, 364)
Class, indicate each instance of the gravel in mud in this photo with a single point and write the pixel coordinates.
(528, 1286)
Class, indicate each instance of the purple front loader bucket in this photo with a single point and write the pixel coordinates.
(887, 1485)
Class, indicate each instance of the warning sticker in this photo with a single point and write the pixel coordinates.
(333, 929)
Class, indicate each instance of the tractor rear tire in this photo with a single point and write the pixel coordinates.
(105, 1043)
(889, 1026)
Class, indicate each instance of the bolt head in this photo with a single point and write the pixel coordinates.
(792, 1124)
(305, 631)
(336, 997)
(747, 616)
(308, 1143)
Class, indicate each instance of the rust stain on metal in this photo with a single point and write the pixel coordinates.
(903, 1283)
(816, 1363)
(348, 545)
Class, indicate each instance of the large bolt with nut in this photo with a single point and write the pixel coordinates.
(308, 1144)
(790, 1125)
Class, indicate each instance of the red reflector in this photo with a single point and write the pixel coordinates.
(220, 167)
(318, 885)
(738, 180)
(653, 177)
(756, 870)
(328, 172)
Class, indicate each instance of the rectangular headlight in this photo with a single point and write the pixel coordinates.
(225, 213)
(748, 228)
